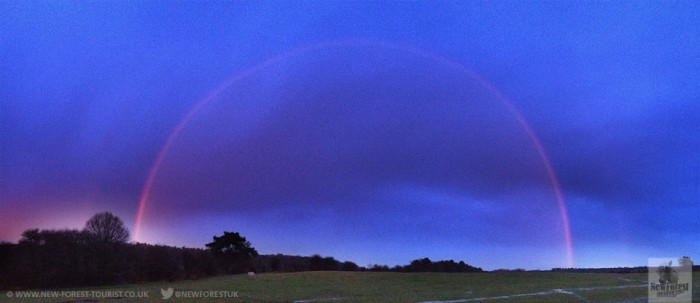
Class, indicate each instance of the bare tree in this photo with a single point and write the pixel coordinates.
(107, 227)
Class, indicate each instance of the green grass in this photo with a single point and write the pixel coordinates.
(396, 287)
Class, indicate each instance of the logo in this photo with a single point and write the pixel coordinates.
(670, 280)
(167, 293)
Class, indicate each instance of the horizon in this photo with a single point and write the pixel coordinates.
(505, 135)
(370, 265)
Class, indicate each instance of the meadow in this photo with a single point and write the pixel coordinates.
(381, 287)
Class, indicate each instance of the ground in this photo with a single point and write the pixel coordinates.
(389, 287)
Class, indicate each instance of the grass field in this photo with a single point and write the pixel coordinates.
(395, 287)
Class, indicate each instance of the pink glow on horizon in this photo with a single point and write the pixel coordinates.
(14, 220)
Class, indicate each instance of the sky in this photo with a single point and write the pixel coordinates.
(506, 134)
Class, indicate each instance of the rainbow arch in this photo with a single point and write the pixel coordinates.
(155, 167)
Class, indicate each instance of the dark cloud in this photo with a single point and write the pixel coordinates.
(643, 158)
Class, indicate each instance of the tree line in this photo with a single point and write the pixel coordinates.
(100, 254)
(96, 255)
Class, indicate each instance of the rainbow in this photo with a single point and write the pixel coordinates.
(153, 172)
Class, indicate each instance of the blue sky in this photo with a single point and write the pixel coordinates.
(375, 132)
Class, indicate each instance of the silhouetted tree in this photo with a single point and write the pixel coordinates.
(377, 267)
(50, 258)
(235, 251)
(426, 265)
(68, 258)
(349, 266)
(108, 228)
(317, 263)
